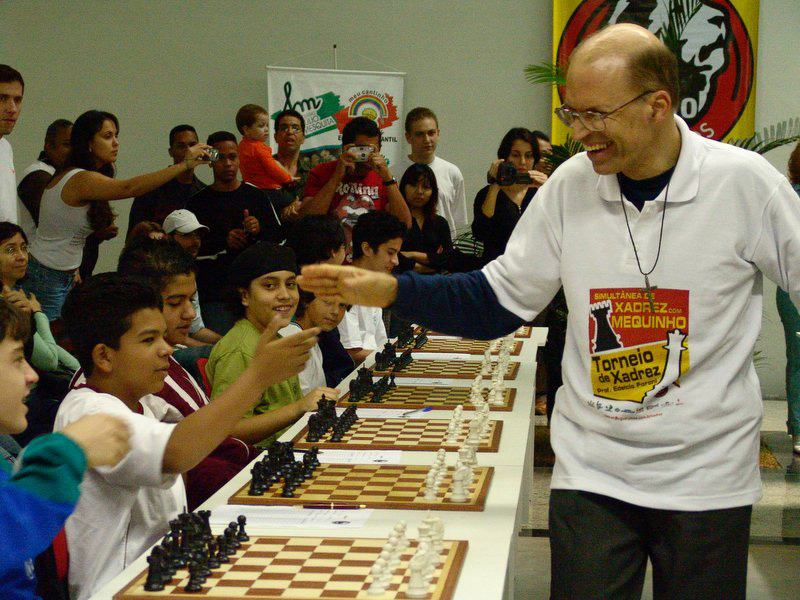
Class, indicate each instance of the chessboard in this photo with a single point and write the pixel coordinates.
(447, 369)
(437, 397)
(279, 568)
(375, 486)
(523, 332)
(463, 346)
(403, 434)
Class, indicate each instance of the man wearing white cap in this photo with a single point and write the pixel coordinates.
(183, 227)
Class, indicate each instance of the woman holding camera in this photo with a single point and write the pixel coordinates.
(513, 182)
(75, 203)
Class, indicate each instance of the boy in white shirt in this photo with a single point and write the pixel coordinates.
(117, 327)
(377, 239)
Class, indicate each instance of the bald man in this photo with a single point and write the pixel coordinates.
(660, 239)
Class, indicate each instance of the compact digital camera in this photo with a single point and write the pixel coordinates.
(361, 153)
(212, 154)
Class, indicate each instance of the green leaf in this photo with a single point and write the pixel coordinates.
(771, 137)
(546, 72)
(563, 152)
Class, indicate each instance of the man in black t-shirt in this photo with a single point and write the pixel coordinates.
(158, 203)
(238, 215)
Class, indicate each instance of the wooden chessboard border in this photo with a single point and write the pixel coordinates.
(443, 590)
(482, 479)
(523, 332)
(343, 401)
(493, 445)
(511, 372)
(516, 348)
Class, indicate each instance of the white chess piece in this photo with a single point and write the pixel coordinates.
(458, 491)
(377, 587)
(400, 531)
(474, 435)
(417, 586)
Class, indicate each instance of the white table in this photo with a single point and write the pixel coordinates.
(488, 570)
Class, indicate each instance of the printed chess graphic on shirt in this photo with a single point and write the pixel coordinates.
(637, 353)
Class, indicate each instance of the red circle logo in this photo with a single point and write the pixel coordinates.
(715, 56)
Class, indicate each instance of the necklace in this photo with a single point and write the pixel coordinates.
(647, 289)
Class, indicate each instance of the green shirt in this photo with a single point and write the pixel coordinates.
(231, 356)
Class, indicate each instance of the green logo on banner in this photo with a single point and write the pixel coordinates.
(318, 111)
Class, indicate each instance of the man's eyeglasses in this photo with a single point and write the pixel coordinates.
(12, 250)
(591, 119)
(284, 127)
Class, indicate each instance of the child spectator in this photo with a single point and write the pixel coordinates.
(256, 163)
(263, 294)
(41, 489)
(118, 329)
(377, 239)
(320, 239)
(321, 313)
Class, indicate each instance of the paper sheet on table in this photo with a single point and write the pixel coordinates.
(291, 516)
(359, 457)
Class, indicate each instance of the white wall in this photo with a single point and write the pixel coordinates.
(158, 63)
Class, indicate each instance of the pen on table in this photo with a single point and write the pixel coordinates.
(418, 410)
(334, 506)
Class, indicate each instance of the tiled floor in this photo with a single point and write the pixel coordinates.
(774, 565)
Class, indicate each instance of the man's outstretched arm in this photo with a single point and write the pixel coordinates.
(462, 304)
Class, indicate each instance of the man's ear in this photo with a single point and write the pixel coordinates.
(661, 105)
(244, 297)
(366, 249)
(103, 358)
(408, 137)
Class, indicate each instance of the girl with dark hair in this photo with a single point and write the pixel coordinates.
(427, 244)
(76, 203)
(498, 208)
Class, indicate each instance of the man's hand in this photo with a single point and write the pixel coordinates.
(237, 239)
(104, 439)
(251, 224)
(377, 162)
(277, 359)
(197, 155)
(292, 211)
(345, 161)
(309, 401)
(349, 285)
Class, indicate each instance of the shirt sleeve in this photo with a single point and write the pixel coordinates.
(481, 224)
(47, 354)
(349, 331)
(225, 370)
(314, 183)
(197, 322)
(271, 167)
(461, 304)
(38, 497)
(459, 208)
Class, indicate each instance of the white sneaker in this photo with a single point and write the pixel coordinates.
(796, 443)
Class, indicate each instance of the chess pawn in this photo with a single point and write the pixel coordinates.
(400, 531)
(378, 585)
(478, 380)
(474, 436)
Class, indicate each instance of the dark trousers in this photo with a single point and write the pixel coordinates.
(600, 546)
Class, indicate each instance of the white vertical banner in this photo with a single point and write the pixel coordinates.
(329, 99)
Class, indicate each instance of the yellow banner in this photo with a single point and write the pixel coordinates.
(716, 60)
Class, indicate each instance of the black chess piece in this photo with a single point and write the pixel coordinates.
(205, 516)
(155, 576)
(213, 556)
(222, 554)
(241, 535)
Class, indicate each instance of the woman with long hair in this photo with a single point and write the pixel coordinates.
(76, 203)
(427, 244)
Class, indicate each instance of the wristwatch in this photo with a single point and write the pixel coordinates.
(392, 181)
